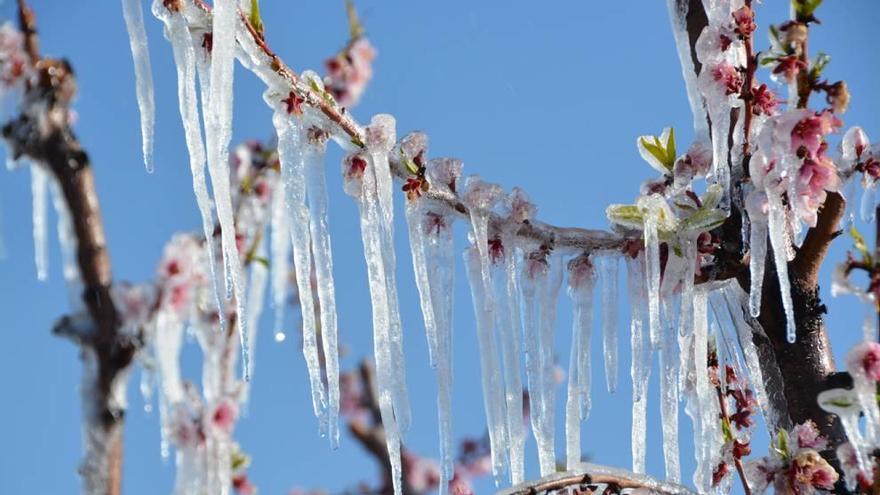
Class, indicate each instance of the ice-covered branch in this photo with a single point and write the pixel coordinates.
(42, 133)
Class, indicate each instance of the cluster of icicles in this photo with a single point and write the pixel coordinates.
(515, 281)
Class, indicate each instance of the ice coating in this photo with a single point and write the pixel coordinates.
(609, 319)
(39, 189)
(132, 12)
(641, 358)
(581, 280)
(490, 365)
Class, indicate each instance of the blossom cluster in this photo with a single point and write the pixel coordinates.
(738, 408)
(794, 464)
(349, 72)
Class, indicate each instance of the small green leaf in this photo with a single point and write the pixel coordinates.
(860, 245)
(627, 216)
(659, 152)
(356, 29)
(411, 166)
(818, 65)
(703, 220)
(261, 260)
(254, 18)
(356, 140)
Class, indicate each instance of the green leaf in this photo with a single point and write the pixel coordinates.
(818, 65)
(356, 140)
(627, 216)
(659, 152)
(411, 166)
(703, 220)
(860, 245)
(776, 40)
(254, 18)
(356, 29)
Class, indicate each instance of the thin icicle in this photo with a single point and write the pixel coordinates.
(39, 186)
(493, 385)
(757, 259)
(641, 358)
(177, 32)
(669, 370)
(776, 223)
(361, 184)
(323, 257)
(380, 137)
(678, 12)
(609, 319)
(280, 260)
(509, 321)
(290, 153)
(534, 285)
(869, 201)
(581, 280)
(217, 110)
(548, 301)
(143, 73)
(652, 272)
(256, 295)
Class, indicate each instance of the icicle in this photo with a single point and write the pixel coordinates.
(490, 365)
(290, 152)
(669, 397)
(361, 184)
(686, 312)
(776, 223)
(280, 260)
(609, 319)
(640, 360)
(548, 301)
(217, 109)
(177, 32)
(704, 416)
(652, 272)
(534, 285)
(720, 172)
(869, 201)
(256, 295)
(322, 252)
(757, 259)
(581, 280)
(380, 137)
(431, 244)
(678, 12)
(510, 331)
(143, 73)
(39, 184)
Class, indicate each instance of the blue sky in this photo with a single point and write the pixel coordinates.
(549, 98)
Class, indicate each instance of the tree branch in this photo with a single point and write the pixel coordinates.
(42, 132)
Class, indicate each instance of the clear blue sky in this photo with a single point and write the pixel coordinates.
(547, 97)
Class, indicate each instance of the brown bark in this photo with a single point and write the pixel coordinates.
(43, 134)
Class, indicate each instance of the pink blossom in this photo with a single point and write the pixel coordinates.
(764, 101)
(809, 133)
(864, 361)
(14, 62)
(349, 72)
(224, 415)
(744, 18)
(808, 437)
(789, 67)
(728, 78)
(809, 470)
(423, 474)
(243, 485)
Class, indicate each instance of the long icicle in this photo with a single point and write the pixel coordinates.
(39, 187)
(490, 365)
(509, 321)
(133, 14)
(776, 222)
(290, 152)
(319, 226)
(178, 34)
(641, 358)
(534, 284)
(216, 79)
(609, 319)
(380, 137)
(581, 279)
(361, 184)
(280, 260)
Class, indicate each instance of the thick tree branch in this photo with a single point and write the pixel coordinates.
(42, 133)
